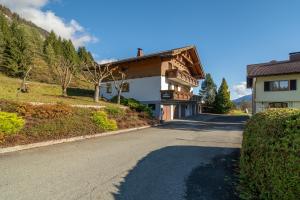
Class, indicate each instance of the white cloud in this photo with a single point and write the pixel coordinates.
(32, 11)
(106, 60)
(240, 90)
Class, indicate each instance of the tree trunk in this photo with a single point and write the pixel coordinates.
(97, 92)
(119, 98)
(64, 91)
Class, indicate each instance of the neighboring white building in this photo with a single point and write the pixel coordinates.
(164, 81)
(275, 84)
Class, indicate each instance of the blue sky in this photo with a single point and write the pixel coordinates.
(228, 34)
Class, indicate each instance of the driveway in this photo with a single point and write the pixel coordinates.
(161, 163)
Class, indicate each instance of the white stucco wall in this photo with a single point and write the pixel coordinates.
(142, 89)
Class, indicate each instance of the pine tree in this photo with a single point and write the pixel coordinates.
(223, 103)
(208, 90)
(4, 36)
(69, 52)
(17, 56)
(84, 55)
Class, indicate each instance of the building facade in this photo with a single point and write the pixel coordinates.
(275, 84)
(164, 81)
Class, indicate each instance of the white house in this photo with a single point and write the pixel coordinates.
(164, 81)
(275, 84)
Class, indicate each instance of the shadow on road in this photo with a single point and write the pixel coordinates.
(207, 123)
(216, 180)
(163, 174)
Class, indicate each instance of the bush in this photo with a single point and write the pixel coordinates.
(115, 111)
(101, 119)
(45, 111)
(269, 164)
(10, 123)
(134, 104)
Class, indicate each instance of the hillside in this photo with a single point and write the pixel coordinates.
(43, 92)
(34, 38)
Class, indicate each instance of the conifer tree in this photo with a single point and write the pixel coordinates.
(84, 55)
(208, 91)
(223, 103)
(17, 57)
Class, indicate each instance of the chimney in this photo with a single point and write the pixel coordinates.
(140, 52)
(295, 56)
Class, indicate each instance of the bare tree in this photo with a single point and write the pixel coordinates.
(65, 70)
(95, 73)
(119, 80)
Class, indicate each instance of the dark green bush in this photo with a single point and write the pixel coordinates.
(10, 123)
(270, 156)
(101, 119)
(134, 105)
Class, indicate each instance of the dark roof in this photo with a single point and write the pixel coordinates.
(160, 53)
(273, 68)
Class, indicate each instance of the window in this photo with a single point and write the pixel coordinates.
(282, 85)
(278, 105)
(108, 88)
(125, 87)
(152, 106)
(293, 84)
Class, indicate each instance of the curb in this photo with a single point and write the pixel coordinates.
(66, 140)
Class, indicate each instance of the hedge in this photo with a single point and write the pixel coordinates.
(134, 105)
(270, 156)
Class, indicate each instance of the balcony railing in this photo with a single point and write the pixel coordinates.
(181, 77)
(175, 95)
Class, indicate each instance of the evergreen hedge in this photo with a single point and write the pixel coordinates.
(270, 156)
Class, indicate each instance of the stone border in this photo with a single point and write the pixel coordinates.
(72, 139)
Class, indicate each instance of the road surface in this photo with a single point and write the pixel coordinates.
(148, 164)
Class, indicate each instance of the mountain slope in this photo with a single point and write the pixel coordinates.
(35, 37)
(246, 98)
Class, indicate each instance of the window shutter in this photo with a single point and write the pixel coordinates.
(293, 84)
(266, 86)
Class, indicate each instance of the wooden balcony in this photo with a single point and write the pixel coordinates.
(175, 95)
(181, 77)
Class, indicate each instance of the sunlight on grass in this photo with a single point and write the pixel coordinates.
(39, 92)
(238, 112)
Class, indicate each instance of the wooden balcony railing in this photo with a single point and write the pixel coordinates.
(175, 95)
(181, 77)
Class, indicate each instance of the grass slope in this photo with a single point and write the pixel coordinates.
(42, 92)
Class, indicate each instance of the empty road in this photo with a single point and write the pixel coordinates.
(148, 164)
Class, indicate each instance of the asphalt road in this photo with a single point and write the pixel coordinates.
(149, 164)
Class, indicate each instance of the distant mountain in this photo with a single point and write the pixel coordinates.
(247, 98)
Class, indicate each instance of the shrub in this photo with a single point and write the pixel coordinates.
(134, 104)
(45, 111)
(10, 123)
(8, 106)
(101, 119)
(269, 164)
(115, 111)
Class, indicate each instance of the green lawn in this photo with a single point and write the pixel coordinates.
(238, 112)
(42, 92)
